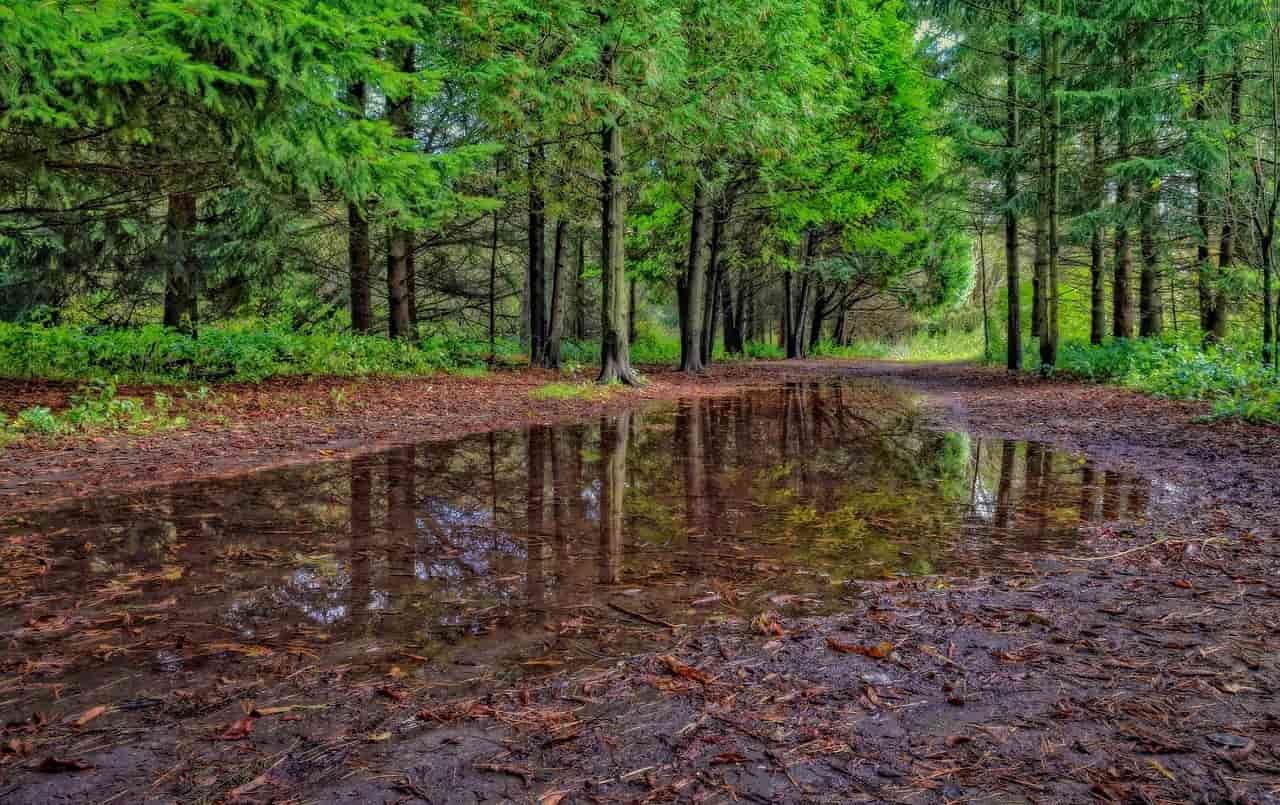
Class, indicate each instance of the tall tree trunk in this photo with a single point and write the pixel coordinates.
(1049, 338)
(1097, 265)
(555, 332)
(615, 350)
(358, 259)
(1013, 273)
(182, 265)
(400, 296)
(580, 289)
(399, 319)
(1226, 249)
(358, 263)
(820, 301)
(537, 279)
(1206, 278)
(1150, 303)
(1122, 281)
(691, 286)
(711, 324)
(732, 319)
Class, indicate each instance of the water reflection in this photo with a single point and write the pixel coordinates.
(481, 550)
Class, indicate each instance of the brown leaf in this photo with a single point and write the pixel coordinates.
(53, 765)
(879, 651)
(684, 669)
(552, 797)
(957, 740)
(1183, 583)
(729, 757)
(89, 715)
(14, 746)
(238, 730)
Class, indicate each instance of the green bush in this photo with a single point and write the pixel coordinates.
(1230, 376)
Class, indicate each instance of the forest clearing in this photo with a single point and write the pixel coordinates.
(639, 401)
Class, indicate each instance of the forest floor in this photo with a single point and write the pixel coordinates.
(1144, 668)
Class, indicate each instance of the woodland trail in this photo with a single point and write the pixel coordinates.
(248, 427)
(1139, 666)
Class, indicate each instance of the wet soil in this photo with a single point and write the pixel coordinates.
(1017, 591)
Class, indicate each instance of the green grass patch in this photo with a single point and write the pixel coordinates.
(571, 391)
(923, 347)
(95, 409)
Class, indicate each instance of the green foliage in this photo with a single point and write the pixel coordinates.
(571, 391)
(157, 355)
(96, 408)
(925, 346)
(1230, 377)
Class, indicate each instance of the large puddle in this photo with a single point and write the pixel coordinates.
(510, 553)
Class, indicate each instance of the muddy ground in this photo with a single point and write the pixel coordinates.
(1142, 668)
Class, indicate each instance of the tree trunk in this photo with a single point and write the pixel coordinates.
(399, 319)
(692, 285)
(1097, 283)
(1226, 251)
(1150, 303)
(1121, 283)
(555, 332)
(1049, 339)
(710, 324)
(182, 265)
(820, 301)
(358, 259)
(580, 290)
(732, 319)
(537, 279)
(400, 296)
(1013, 273)
(615, 350)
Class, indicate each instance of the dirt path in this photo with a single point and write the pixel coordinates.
(250, 427)
(1142, 669)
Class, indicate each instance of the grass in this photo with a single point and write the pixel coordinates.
(97, 408)
(571, 391)
(921, 347)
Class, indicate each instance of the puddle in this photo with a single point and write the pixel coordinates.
(510, 553)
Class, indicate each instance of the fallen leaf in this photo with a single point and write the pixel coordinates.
(89, 715)
(238, 730)
(14, 746)
(1183, 583)
(684, 669)
(285, 708)
(552, 797)
(377, 737)
(729, 757)
(879, 651)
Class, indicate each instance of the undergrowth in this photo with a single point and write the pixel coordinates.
(97, 408)
(1231, 377)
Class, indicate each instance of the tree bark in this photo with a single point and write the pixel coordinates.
(580, 290)
(555, 332)
(1013, 273)
(1097, 268)
(358, 259)
(691, 287)
(182, 265)
(400, 296)
(537, 279)
(615, 350)
(1226, 250)
(1049, 339)
(1122, 281)
(1150, 303)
